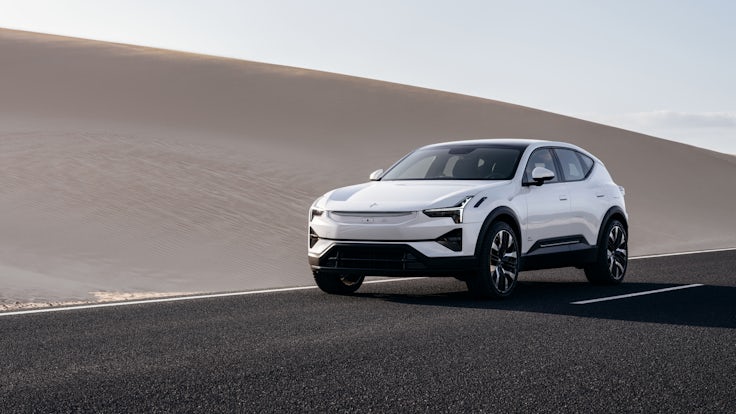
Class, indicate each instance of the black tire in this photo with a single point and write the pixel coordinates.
(499, 263)
(612, 257)
(338, 284)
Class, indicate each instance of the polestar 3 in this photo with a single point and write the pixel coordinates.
(480, 211)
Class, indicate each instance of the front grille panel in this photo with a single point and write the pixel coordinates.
(371, 257)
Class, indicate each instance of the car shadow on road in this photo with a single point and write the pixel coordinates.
(703, 306)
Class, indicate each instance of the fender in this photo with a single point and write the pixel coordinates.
(613, 211)
(492, 216)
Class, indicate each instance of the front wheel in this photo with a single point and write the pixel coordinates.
(338, 284)
(612, 257)
(499, 264)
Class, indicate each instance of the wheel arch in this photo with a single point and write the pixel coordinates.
(504, 214)
(613, 213)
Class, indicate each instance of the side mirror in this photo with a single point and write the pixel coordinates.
(375, 175)
(540, 175)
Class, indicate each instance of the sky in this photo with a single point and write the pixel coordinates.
(665, 68)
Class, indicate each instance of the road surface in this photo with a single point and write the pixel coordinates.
(421, 345)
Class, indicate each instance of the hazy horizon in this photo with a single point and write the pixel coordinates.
(660, 68)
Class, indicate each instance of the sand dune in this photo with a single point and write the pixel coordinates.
(127, 169)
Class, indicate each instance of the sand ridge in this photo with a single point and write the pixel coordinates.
(130, 169)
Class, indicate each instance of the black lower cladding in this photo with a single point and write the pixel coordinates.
(559, 252)
(388, 260)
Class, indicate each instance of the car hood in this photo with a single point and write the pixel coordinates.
(382, 196)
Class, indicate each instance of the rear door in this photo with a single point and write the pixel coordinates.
(584, 197)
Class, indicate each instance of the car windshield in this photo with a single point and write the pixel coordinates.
(459, 162)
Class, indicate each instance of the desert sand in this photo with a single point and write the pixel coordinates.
(128, 171)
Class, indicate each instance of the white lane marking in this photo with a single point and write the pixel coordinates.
(631, 295)
(159, 300)
(650, 256)
(182, 298)
(394, 279)
(253, 292)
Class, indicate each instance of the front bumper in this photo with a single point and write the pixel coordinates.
(414, 229)
(387, 259)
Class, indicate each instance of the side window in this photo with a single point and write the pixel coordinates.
(572, 169)
(541, 158)
(587, 163)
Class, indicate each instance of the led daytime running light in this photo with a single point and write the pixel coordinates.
(455, 212)
(315, 212)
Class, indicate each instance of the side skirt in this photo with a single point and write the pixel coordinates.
(562, 252)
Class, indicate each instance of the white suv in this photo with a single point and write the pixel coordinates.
(480, 211)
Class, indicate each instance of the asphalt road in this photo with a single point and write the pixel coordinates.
(419, 345)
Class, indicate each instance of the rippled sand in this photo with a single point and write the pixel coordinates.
(146, 172)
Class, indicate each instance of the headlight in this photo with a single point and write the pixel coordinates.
(456, 211)
(315, 211)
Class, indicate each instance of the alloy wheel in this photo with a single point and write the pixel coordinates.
(617, 252)
(504, 262)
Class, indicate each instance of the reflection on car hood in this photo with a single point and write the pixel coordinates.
(403, 195)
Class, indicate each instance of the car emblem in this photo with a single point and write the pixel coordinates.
(368, 220)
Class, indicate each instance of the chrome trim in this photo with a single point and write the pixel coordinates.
(559, 243)
(372, 213)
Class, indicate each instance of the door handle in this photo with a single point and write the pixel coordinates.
(563, 197)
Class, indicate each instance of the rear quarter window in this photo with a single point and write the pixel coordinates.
(587, 163)
(572, 166)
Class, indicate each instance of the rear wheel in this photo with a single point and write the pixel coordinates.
(338, 284)
(499, 268)
(613, 256)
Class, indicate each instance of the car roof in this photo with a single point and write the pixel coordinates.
(496, 141)
(534, 143)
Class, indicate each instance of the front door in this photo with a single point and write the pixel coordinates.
(548, 205)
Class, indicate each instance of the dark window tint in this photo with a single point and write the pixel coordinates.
(587, 163)
(572, 169)
(465, 162)
(541, 158)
